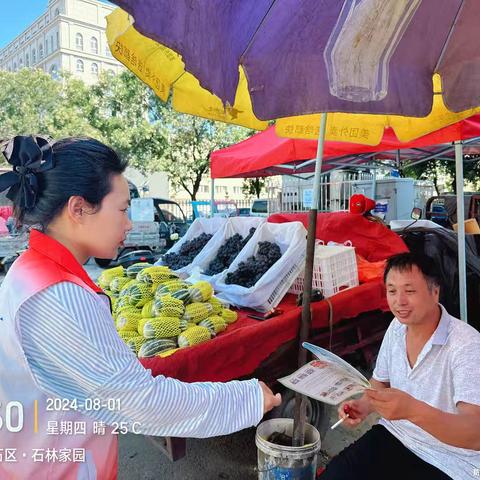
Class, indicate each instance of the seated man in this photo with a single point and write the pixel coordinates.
(426, 389)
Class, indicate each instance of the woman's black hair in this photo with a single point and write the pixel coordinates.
(83, 167)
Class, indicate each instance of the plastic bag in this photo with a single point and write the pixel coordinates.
(241, 225)
(274, 284)
(212, 226)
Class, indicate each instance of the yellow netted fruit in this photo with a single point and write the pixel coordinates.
(154, 346)
(162, 327)
(229, 315)
(139, 294)
(193, 336)
(134, 343)
(127, 321)
(118, 283)
(215, 324)
(201, 291)
(108, 275)
(124, 289)
(196, 312)
(167, 353)
(169, 287)
(126, 309)
(168, 306)
(127, 334)
(217, 305)
(155, 274)
(132, 270)
(141, 324)
(147, 310)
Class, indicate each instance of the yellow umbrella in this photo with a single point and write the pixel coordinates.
(164, 71)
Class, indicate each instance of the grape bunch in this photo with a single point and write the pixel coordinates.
(249, 272)
(228, 252)
(188, 251)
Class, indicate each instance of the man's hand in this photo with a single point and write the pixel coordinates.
(269, 399)
(357, 411)
(392, 404)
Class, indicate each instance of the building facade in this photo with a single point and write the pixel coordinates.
(69, 36)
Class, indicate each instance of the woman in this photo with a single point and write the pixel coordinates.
(61, 358)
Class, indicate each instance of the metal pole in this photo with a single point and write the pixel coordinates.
(212, 198)
(300, 403)
(462, 269)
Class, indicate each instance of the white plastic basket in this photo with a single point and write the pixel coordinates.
(212, 226)
(241, 225)
(274, 284)
(334, 269)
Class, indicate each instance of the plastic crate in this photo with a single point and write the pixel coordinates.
(335, 269)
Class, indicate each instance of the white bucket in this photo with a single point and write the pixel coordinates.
(279, 462)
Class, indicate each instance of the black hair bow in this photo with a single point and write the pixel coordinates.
(29, 155)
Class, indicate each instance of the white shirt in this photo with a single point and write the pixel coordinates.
(447, 371)
(74, 352)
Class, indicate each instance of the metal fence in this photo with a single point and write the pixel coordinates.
(335, 192)
(296, 194)
(204, 209)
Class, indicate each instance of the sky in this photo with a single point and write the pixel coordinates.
(17, 15)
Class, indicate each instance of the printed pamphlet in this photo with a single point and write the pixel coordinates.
(328, 379)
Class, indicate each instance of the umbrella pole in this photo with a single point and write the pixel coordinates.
(300, 404)
(212, 198)
(462, 270)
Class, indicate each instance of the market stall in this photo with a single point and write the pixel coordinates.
(241, 349)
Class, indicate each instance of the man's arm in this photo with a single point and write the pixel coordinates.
(460, 430)
(456, 429)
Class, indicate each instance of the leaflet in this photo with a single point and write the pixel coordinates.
(328, 379)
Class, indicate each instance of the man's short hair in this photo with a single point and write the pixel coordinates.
(406, 261)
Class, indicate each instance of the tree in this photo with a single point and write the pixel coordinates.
(31, 102)
(434, 169)
(253, 186)
(121, 111)
(189, 142)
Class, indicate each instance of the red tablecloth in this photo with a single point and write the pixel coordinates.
(244, 345)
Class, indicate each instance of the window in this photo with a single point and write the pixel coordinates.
(54, 72)
(34, 57)
(58, 40)
(51, 43)
(94, 69)
(14, 66)
(108, 53)
(27, 60)
(46, 47)
(40, 51)
(94, 45)
(79, 41)
(20, 63)
(57, 12)
(80, 67)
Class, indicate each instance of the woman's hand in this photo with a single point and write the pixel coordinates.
(269, 399)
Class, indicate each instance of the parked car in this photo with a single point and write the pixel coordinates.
(156, 237)
(442, 209)
(244, 212)
(172, 220)
(263, 207)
